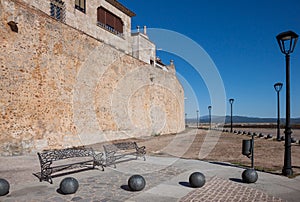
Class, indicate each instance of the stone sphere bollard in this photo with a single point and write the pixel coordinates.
(136, 183)
(4, 187)
(250, 175)
(197, 180)
(68, 185)
(269, 136)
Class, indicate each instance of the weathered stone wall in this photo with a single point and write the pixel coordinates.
(87, 22)
(60, 87)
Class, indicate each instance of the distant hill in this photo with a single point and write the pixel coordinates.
(242, 119)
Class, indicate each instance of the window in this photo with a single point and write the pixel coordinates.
(80, 5)
(109, 21)
(57, 9)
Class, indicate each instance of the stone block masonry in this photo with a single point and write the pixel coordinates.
(61, 87)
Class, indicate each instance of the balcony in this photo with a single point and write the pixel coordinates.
(110, 29)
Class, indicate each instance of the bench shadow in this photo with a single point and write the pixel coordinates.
(38, 174)
(185, 184)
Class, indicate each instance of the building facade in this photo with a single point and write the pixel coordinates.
(72, 73)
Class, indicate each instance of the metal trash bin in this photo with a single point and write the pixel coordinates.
(247, 147)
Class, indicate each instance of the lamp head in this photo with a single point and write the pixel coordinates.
(278, 86)
(231, 100)
(287, 41)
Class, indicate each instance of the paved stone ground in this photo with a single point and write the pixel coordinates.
(218, 189)
(166, 180)
(95, 185)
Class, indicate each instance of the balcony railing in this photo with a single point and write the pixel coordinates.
(110, 29)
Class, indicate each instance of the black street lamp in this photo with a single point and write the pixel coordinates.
(186, 124)
(287, 42)
(209, 111)
(231, 102)
(278, 87)
(197, 118)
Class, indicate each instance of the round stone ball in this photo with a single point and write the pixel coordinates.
(250, 175)
(4, 187)
(197, 180)
(68, 185)
(136, 183)
(269, 136)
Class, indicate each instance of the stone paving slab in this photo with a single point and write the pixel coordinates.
(218, 189)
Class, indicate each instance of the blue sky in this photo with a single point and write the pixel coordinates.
(239, 37)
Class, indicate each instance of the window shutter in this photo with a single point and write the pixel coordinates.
(101, 15)
(119, 25)
(110, 19)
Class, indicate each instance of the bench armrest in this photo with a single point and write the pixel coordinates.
(141, 150)
(98, 159)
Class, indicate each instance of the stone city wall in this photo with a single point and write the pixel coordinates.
(87, 22)
(60, 87)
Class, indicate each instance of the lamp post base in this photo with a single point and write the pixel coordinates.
(287, 172)
(287, 166)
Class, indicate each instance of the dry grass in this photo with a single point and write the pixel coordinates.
(268, 153)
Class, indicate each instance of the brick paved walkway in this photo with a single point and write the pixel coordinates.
(218, 189)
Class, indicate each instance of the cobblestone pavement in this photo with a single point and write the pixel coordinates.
(166, 180)
(96, 185)
(218, 189)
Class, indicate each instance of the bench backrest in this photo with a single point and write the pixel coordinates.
(54, 155)
(120, 146)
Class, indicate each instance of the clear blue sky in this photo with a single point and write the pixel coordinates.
(239, 36)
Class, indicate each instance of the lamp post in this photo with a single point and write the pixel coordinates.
(197, 118)
(209, 111)
(186, 124)
(231, 102)
(278, 87)
(287, 42)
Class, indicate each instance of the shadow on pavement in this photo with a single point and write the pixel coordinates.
(185, 184)
(126, 188)
(225, 164)
(237, 180)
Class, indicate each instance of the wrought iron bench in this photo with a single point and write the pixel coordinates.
(78, 157)
(120, 152)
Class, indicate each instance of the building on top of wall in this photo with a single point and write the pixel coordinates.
(71, 75)
(106, 20)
